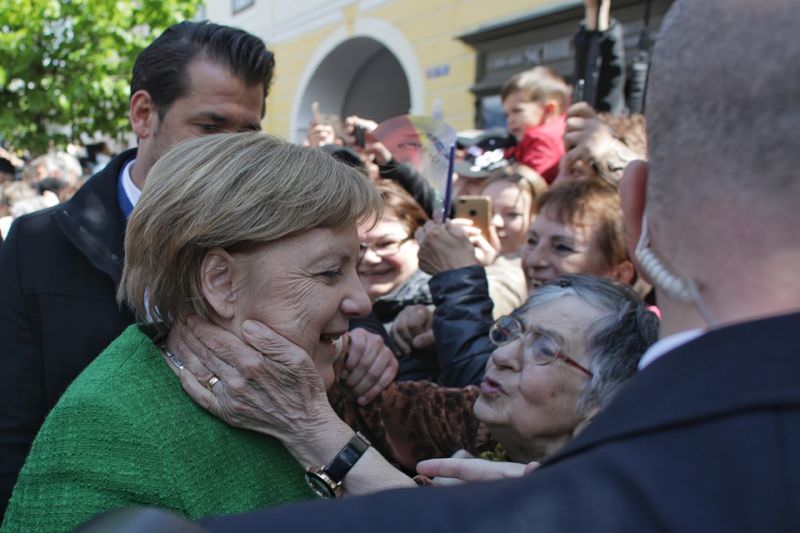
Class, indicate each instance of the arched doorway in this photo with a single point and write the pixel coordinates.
(360, 76)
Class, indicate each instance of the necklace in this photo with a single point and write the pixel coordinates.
(171, 357)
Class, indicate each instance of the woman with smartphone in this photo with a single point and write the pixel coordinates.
(578, 229)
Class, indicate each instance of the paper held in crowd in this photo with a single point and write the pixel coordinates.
(423, 142)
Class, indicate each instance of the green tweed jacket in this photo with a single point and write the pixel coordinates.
(125, 434)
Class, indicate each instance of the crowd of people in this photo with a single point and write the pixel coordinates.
(219, 325)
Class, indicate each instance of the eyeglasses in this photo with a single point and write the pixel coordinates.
(544, 348)
(382, 248)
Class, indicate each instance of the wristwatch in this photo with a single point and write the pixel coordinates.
(326, 480)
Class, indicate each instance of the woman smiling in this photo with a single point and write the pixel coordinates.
(579, 229)
(389, 270)
(233, 228)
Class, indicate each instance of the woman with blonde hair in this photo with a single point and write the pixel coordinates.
(232, 228)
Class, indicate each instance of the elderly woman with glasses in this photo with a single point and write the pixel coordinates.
(578, 230)
(558, 359)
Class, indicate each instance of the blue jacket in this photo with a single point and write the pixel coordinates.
(461, 325)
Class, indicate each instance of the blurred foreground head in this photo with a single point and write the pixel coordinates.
(722, 188)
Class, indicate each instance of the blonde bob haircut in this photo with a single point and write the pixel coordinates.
(235, 192)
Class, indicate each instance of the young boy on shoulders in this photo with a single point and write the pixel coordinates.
(535, 102)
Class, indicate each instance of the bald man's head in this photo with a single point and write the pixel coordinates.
(723, 115)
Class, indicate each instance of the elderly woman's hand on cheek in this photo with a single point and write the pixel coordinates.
(370, 365)
(266, 384)
(269, 385)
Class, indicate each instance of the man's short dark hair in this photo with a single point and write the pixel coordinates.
(161, 68)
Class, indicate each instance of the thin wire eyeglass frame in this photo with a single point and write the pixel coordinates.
(388, 250)
(507, 329)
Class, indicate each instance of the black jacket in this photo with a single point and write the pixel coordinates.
(59, 271)
(706, 438)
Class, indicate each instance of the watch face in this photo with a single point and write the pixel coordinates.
(319, 485)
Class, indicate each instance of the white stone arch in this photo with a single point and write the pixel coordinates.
(378, 30)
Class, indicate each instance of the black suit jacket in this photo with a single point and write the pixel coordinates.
(706, 438)
(59, 270)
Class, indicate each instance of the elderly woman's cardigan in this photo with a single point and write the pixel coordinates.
(125, 434)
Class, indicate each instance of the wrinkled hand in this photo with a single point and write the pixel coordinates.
(413, 328)
(455, 471)
(444, 247)
(267, 384)
(370, 365)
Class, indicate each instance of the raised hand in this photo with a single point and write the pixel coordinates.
(370, 365)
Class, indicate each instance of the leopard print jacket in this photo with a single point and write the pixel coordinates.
(415, 420)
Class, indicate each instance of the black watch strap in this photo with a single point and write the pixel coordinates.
(338, 468)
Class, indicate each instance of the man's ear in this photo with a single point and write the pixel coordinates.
(143, 114)
(623, 272)
(633, 197)
(218, 273)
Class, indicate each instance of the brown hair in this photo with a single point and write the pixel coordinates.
(538, 85)
(231, 191)
(593, 203)
(400, 203)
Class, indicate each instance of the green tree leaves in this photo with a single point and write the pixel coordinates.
(65, 65)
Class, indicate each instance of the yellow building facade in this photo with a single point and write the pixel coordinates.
(381, 58)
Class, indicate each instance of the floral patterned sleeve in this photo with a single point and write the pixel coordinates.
(415, 420)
